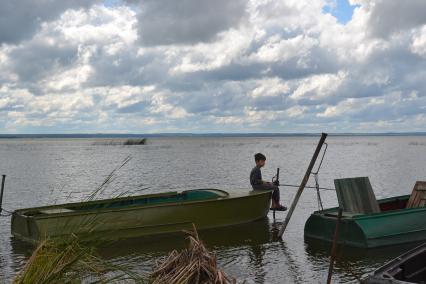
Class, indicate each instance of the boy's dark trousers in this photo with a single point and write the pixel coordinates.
(265, 186)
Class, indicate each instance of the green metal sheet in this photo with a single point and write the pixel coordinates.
(356, 195)
(205, 208)
(372, 230)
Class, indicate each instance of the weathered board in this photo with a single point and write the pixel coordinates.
(418, 195)
(356, 195)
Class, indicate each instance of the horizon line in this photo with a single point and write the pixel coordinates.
(182, 134)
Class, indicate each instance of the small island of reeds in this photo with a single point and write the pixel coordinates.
(128, 142)
(135, 141)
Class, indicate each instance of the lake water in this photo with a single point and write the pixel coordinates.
(47, 171)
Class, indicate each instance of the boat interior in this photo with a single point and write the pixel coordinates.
(393, 204)
(356, 197)
(125, 202)
(385, 205)
(410, 267)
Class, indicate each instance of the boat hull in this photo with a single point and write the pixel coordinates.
(386, 228)
(135, 221)
(409, 267)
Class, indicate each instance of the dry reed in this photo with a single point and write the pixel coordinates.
(193, 265)
(68, 261)
(51, 262)
(108, 179)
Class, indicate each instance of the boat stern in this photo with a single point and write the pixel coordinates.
(23, 227)
(321, 226)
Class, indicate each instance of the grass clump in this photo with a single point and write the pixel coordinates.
(194, 264)
(49, 263)
(68, 261)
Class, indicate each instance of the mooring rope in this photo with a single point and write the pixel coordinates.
(317, 187)
(297, 186)
(5, 215)
(316, 179)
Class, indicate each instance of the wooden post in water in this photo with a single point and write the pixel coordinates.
(334, 247)
(1, 192)
(303, 184)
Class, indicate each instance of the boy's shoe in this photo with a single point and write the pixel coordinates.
(280, 208)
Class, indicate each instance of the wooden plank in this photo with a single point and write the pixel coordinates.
(418, 195)
(421, 191)
(356, 195)
(412, 198)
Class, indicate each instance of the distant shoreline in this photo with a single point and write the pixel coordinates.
(158, 135)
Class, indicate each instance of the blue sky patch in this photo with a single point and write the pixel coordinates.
(112, 3)
(341, 9)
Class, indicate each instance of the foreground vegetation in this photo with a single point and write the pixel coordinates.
(69, 261)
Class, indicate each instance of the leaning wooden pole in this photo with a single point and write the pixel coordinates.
(303, 184)
(1, 192)
(334, 247)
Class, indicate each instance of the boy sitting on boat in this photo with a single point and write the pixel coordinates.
(258, 184)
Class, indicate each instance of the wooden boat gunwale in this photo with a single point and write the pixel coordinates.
(131, 221)
(360, 216)
(386, 273)
(129, 207)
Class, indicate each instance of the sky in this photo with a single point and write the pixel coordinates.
(202, 66)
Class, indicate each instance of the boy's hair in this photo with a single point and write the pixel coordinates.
(259, 157)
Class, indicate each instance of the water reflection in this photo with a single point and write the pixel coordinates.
(228, 242)
(250, 234)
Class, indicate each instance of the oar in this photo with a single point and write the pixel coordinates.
(303, 184)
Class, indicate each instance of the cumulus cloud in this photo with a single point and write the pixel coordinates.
(418, 44)
(20, 19)
(165, 22)
(205, 66)
(388, 17)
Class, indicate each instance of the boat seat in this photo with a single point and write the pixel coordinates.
(418, 195)
(355, 195)
(56, 211)
(344, 214)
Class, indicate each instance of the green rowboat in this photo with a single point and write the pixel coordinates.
(394, 224)
(136, 216)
